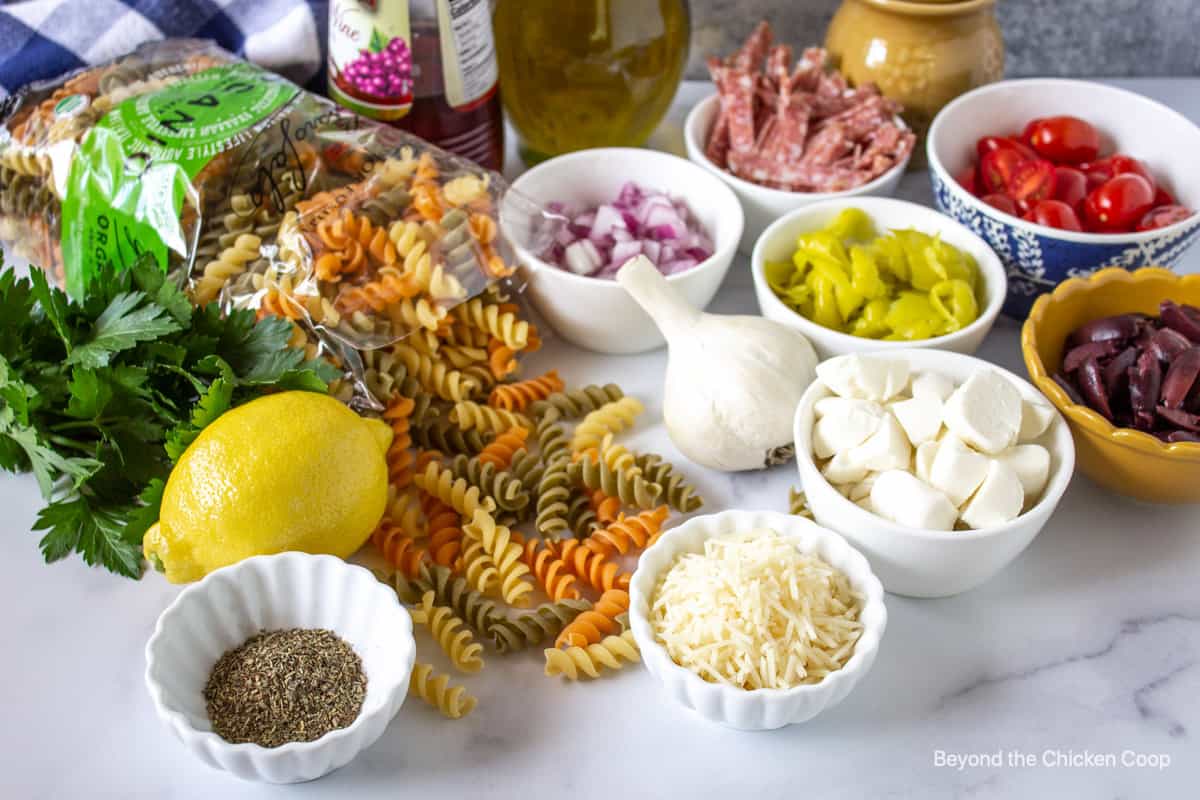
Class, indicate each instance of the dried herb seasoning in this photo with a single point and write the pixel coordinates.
(285, 686)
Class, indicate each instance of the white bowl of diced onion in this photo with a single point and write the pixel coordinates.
(597, 313)
(725, 703)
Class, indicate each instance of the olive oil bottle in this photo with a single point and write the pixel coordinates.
(588, 73)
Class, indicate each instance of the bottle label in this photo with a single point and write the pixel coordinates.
(127, 184)
(370, 57)
(468, 50)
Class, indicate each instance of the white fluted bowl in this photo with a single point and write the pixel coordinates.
(288, 590)
(758, 709)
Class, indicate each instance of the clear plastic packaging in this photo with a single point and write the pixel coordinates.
(254, 193)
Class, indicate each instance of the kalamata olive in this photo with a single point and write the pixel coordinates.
(1177, 319)
(1183, 436)
(1120, 327)
(1145, 379)
(1091, 386)
(1167, 343)
(1115, 370)
(1181, 376)
(1077, 355)
(1069, 388)
(1180, 418)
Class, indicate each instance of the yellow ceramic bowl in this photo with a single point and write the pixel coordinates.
(1124, 460)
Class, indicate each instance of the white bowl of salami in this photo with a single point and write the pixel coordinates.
(763, 204)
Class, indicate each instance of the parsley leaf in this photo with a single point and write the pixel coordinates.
(212, 404)
(126, 321)
(98, 534)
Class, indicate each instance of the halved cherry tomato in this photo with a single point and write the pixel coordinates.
(1063, 140)
(1001, 201)
(997, 168)
(1163, 216)
(1163, 198)
(1119, 203)
(1054, 214)
(1070, 185)
(966, 179)
(989, 143)
(1122, 164)
(1033, 181)
(1097, 172)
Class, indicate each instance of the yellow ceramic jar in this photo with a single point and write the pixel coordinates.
(1123, 460)
(923, 53)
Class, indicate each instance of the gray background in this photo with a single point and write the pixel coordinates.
(1090, 38)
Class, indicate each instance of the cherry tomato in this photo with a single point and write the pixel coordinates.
(997, 168)
(1097, 172)
(989, 143)
(1001, 201)
(1054, 214)
(1033, 181)
(1119, 203)
(966, 179)
(1163, 198)
(1070, 185)
(1026, 134)
(1123, 164)
(1064, 140)
(1163, 216)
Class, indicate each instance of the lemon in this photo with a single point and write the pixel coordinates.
(289, 471)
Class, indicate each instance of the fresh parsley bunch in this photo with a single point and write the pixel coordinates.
(99, 398)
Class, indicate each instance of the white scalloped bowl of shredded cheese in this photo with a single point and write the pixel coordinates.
(756, 619)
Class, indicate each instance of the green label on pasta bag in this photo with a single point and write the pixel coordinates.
(128, 182)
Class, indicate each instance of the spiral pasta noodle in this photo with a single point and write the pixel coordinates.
(231, 262)
(450, 633)
(634, 490)
(443, 435)
(498, 543)
(612, 417)
(477, 567)
(504, 325)
(399, 455)
(518, 396)
(611, 652)
(389, 289)
(456, 493)
(417, 262)
(581, 517)
(404, 510)
(677, 493)
(629, 533)
(550, 571)
(501, 359)
(534, 627)
(607, 508)
(507, 491)
(595, 569)
(386, 206)
(465, 189)
(435, 689)
(445, 530)
(594, 624)
(470, 415)
(500, 451)
(433, 375)
(450, 590)
(618, 457)
(554, 495)
(398, 548)
(577, 402)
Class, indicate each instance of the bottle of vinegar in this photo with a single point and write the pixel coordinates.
(427, 66)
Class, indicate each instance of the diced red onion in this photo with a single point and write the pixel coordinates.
(598, 241)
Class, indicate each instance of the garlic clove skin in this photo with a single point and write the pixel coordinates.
(732, 383)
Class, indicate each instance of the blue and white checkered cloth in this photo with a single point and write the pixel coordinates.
(45, 38)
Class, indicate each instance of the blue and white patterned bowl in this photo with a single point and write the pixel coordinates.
(1039, 258)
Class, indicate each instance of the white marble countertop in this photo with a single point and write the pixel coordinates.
(1088, 645)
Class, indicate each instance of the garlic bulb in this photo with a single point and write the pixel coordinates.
(733, 382)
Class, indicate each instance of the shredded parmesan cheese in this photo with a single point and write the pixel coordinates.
(754, 612)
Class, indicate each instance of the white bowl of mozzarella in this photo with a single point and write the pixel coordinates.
(693, 587)
(964, 469)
